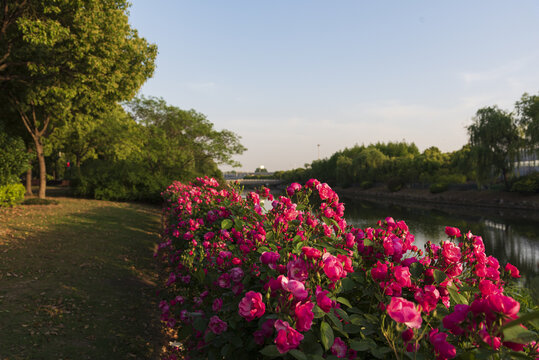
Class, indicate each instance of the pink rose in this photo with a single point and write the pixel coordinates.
(217, 304)
(265, 331)
(293, 188)
(442, 348)
(452, 321)
(324, 302)
(427, 298)
(339, 348)
(452, 231)
(304, 316)
(404, 311)
(512, 270)
(311, 253)
(269, 258)
(287, 337)
(216, 325)
(450, 252)
(236, 274)
(502, 304)
(224, 280)
(297, 270)
(402, 275)
(333, 267)
(251, 306)
(379, 271)
(297, 288)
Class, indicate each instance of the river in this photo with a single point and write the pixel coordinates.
(509, 238)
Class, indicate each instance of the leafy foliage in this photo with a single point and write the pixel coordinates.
(11, 194)
(14, 160)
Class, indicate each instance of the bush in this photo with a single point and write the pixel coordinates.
(14, 159)
(38, 201)
(297, 281)
(527, 184)
(119, 180)
(437, 188)
(395, 184)
(11, 194)
(366, 184)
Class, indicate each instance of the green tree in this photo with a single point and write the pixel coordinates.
(14, 160)
(528, 111)
(78, 58)
(182, 143)
(494, 143)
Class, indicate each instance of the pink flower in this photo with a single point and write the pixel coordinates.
(333, 267)
(251, 306)
(224, 280)
(452, 321)
(442, 348)
(236, 274)
(452, 231)
(297, 288)
(324, 302)
(407, 335)
(287, 337)
(217, 304)
(311, 253)
(404, 311)
(293, 188)
(427, 298)
(402, 275)
(502, 304)
(269, 258)
(339, 348)
(304, 316)
(265, 331)
(512, 270)
(297, 270)
(216, 325)
(450, 252)
(379, 271)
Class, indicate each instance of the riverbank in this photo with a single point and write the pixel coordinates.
(457, 200)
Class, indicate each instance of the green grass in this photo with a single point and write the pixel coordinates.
(78, 281)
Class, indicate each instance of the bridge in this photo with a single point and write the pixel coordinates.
(256, 182)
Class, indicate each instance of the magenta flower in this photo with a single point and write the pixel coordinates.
(404, 311)
(287, 337)
(216, 325)
(324, 302)
(339, 348)
(251, 306)
(333, 267)
(442, 348)
(512, 270)
(304, 316)
(452, 231)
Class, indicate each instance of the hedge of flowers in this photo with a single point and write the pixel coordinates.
(297, 281)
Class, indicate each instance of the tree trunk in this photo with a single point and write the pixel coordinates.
(29, 182)
(42, 168)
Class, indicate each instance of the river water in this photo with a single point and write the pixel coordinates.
(509, 237)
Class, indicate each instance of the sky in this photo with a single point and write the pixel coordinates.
(302, 79)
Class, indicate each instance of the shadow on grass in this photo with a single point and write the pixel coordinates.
(83, 289)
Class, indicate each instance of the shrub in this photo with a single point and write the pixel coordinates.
(119, 180)
(11, 194)
(438, 188)
(394, 184)
(527, 184)
(297, 281)
(14, 159)
(366, 184)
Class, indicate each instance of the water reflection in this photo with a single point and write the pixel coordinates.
(510, 240)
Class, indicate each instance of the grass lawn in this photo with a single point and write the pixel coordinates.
(78, 281)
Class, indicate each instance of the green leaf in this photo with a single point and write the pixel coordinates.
(519, 335)
(416, 269)
(380, 352)
(352, 329)
(457, 297)
(298, 354)
(226, 224)
(344, 301)
(270, 351)
(439, 276)
(318, 313)
(342, 314)
(326, 335)
(530, 317)
(367, 242)
(262, 249)
(225, 350)
(362, 345)
(334, 320)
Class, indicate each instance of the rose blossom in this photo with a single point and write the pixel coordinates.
(217, 304)
(333, 267)
(404, 311)
(339, 348)
(216, 325)
(443, 349)
(512, 270)
(324, 302)
(311, 253)
(304, 316)
(452, 231)
(251, 306)
(297, 270)
(293, 188)
(287, 337)
(236, 274)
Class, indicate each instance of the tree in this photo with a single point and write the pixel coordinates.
(180, 142)
(14, 160)
(494, 143)
(80, 58)
(528, 110)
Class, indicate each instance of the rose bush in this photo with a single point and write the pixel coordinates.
(297, 281)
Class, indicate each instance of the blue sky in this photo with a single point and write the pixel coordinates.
(288, 75)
